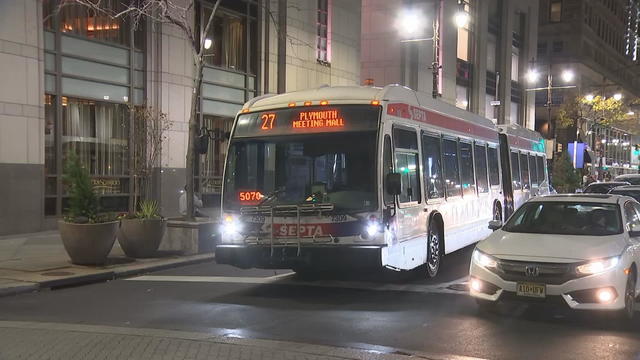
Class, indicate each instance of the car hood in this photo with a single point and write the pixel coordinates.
(550, 247)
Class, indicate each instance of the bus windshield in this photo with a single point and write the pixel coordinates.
(336, 168)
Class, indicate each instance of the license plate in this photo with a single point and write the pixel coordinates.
(531, 290)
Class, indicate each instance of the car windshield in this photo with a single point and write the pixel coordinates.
(602, 188)
(633, 180)
(336, 168)
(632, 193)
(566, 218)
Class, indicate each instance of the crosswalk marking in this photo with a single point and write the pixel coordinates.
(288, 279)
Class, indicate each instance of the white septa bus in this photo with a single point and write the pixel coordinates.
(365, 177)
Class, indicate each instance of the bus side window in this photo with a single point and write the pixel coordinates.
(431, 157)
(534, 171)
(515, 171)
(407, 164)
(494, 167)
(481, 168)
(524, 171)
(451, 174)
(387, 167)
(466, 169)
(541, 169)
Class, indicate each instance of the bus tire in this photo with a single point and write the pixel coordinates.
(434, 248)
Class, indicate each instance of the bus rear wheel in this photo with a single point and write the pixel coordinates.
(434, 251)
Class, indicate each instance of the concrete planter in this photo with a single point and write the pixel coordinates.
(190, 237)
(88, 244)
(140, 238)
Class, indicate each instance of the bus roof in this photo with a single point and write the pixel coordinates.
(523, 138)
(364, 95)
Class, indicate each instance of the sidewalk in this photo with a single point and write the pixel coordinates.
(29, 262)
(32, 340)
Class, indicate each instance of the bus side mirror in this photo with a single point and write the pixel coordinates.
(393, 184)
(495, 224)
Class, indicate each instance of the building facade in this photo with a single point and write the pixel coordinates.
(598, 41)
(482, 62)
(74, 78)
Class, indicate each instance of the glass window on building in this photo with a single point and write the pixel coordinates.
(515, 113)
(98, 132)
(83, 21)
(323, 51)
(465, 38)
(515, 63)
(555, 11)
(212, 163)
(491, 52)
(462, 97)
(227, 34)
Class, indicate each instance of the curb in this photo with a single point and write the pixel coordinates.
(106, 275)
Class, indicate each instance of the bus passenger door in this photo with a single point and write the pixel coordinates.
(407, 164)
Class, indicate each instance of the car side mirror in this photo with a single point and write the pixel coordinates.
(393, 184)
(495, 224)
(634, 231)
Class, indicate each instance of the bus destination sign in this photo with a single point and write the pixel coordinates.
(316, 119)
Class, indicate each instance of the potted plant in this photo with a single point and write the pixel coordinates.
(139, 235)
(87, 235)
(141, 232)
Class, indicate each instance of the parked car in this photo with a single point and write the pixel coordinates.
(633, 179)
(582, 250)
(627, 190)
(603, 187)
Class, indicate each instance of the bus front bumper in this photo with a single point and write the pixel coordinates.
(287, 257)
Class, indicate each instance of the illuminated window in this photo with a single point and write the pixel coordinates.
(323, 47)
(212, 163)
(555, 11)
(80, 20)
(464, 38)
(228, 45)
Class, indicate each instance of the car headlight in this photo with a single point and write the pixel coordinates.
(598, 266)
(484, 260)
(231, 226)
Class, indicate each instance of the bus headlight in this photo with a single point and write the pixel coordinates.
(598, 266)
(483, 260)
(231, 226)
(373, 228)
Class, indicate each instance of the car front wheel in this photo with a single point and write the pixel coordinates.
(630, 296)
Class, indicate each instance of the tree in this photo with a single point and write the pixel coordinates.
(565, 178)
(149, 128)
(601, 110)
(180, 14)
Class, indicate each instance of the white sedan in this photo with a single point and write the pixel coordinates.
(582, 250)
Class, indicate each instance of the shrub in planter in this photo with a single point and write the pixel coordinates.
(87, 235)
(140, 234)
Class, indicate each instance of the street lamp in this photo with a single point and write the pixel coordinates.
(207, 43)
(411, 23)
(461, 17)
(617, 96)
(532, 76)
(567, 76)
(589, 97)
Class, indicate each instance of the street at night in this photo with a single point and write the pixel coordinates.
(382, 312)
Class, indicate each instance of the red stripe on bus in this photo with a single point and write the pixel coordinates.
(407, 111)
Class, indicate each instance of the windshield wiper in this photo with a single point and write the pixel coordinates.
(271, 196)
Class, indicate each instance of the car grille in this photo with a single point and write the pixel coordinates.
(545, 273)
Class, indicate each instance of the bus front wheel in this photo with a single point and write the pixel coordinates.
(434, 251)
